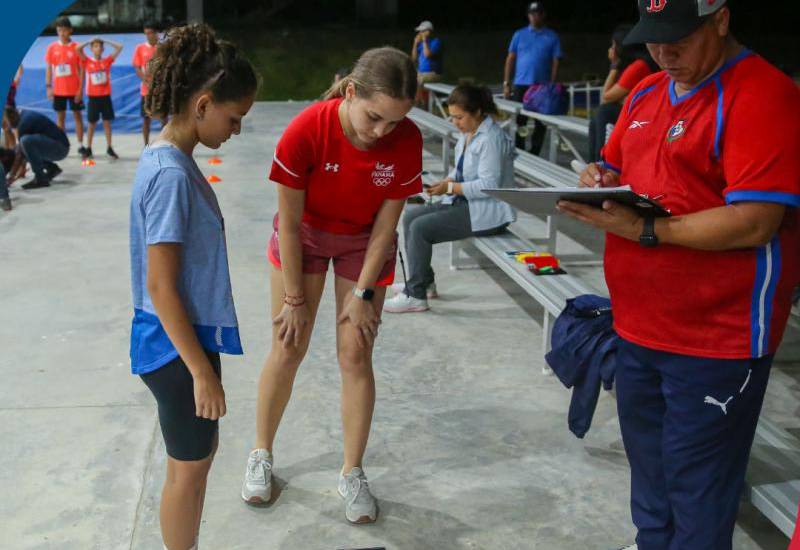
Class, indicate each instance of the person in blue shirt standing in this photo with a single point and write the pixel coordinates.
(184, 315)
(427, 54)
(533, 57)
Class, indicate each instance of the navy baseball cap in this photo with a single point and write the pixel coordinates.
(667, 21)
(536, 7)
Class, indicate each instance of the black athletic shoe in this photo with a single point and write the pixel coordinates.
(36, 183)
(110, 152)
(5, 204)
(83, 152)
(53, 171)
(87, 153)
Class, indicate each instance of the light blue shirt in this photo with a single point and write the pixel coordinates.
(173, 203)
(488, 162)
(535, 51)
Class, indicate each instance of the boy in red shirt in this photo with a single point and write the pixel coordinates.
(98, 88)
(141, 56)
(64, 78)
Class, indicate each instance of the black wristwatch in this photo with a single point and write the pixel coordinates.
(365, 294)
(648, 237)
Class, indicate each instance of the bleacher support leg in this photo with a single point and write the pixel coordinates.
(552, 233)
(455, 250)
(547, 330)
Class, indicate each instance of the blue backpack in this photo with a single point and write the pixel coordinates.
(548, 99)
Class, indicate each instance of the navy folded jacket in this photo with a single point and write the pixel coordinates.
(583, 355)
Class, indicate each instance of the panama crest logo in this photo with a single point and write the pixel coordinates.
(383, 175)
(656, 6)
(677, 131)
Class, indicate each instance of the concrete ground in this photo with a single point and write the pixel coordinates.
(469, 449)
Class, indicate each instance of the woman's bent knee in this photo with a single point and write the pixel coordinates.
(354, 360)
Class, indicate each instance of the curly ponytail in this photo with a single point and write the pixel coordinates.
(191, 59)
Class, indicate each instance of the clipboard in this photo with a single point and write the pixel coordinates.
(543, 201)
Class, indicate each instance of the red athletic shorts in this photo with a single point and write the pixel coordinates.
(346, 251)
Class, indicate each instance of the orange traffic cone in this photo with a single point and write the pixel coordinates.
(214, 179)
(215, 160)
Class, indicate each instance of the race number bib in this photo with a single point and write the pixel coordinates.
(65, 69)
(98, 79)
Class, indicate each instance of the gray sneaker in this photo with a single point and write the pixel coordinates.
(359, 504)
(257, 486)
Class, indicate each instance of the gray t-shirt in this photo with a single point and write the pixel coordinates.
(173, 203)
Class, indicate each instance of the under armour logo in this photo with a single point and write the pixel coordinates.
(724, 406)
(331, 167)
(638, 124)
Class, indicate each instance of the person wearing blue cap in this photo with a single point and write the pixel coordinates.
(533, 58)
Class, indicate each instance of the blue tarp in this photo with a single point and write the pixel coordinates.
(124, 82)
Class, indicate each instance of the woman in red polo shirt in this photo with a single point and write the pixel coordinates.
(630, 63)
(344, 167)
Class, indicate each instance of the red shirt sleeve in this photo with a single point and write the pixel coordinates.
(760, 140)
(294, 155)
(137, 57)
(48, 56)
(409, 177)
(633, 74)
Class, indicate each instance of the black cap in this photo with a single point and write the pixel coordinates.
(536, 7)
(667, 21)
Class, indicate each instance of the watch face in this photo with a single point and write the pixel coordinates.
(368, 294)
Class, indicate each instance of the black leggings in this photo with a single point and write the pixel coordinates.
(186, 436)
(607, 113)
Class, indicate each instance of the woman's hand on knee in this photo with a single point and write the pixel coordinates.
(292, 322)
(362, 315)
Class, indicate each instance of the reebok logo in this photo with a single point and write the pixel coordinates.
(331, 167)
(638, 124)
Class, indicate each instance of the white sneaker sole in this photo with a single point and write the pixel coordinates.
(257, 500)
(412, 309)
(362, 519)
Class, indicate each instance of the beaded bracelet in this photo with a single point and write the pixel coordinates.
(294, 300)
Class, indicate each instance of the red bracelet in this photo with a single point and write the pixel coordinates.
(295, 301)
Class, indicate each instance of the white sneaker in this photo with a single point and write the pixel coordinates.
(359, 504)
(257, 486)
(399, 288)
(403, 303)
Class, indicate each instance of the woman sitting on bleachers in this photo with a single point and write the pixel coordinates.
(485, 158)
(629, 65)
